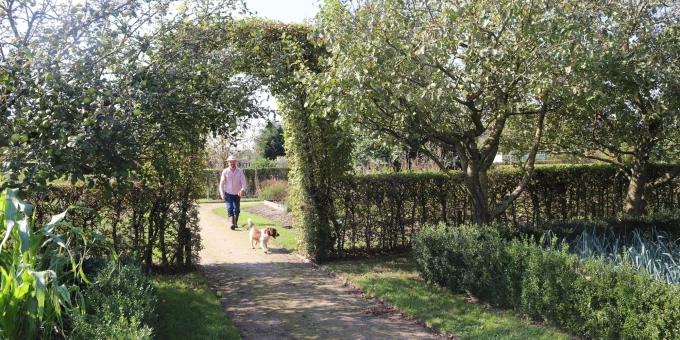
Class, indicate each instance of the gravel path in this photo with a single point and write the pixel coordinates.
(283, 296)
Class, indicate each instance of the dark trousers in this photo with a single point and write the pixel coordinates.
(233, 204)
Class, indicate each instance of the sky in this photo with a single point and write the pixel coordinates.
(287, 11)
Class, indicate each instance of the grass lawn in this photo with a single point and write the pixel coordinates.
(395, 279)
(187, 309)
(287, 238)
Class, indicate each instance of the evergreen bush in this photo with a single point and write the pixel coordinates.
(120, 304)
(540, 278)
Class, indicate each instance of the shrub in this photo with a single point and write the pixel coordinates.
(621, 225)
(402, 203)
(273, 190)
(471, 260)
(590, 297)
(119, 305)
(264, 163)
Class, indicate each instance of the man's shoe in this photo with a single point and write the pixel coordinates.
(233, 222)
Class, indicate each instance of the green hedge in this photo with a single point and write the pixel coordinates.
(591, 298)
(160, 222)
(211, 178)
(383, 212)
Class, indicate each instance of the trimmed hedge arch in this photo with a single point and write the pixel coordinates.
(318, 151)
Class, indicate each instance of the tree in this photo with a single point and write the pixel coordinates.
(55, 84)
(261, 163)
(125, 93)
(88, 89)
(446, 75)
(269, 143)
(625, 98)
(371, 151)
(181, 87)
(218, 149)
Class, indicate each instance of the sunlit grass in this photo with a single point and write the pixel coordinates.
(187, 309)
(395, 280)
(287, 238)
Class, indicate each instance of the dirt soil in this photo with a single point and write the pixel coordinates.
(277, 216)
(283, 296)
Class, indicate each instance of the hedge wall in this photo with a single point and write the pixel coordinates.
(158, 223)
(211, 178)
(381, 213)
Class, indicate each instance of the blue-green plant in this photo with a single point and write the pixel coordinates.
(657, 255)
(39, 267)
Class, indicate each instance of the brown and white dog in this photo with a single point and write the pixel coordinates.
(261, 236)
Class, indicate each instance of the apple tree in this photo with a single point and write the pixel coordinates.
(624, 101)
(445, 75)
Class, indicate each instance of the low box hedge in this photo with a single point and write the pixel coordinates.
(590, 298)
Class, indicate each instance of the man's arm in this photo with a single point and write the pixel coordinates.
(244, 184)
(220, 186)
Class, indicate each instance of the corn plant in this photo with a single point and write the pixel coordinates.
(39, 269)
(658, 255)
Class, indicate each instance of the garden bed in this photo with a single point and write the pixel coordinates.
(278, 216)
(277, 205)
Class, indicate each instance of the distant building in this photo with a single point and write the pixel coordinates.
(501, 158)
(281, 162)
(245, 163)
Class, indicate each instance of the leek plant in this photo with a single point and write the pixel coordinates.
(657, 255)
(40, 267)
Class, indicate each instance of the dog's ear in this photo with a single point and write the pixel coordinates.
(272, 232)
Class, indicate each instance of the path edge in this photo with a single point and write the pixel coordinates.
(405, 316)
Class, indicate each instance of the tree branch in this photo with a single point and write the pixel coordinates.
(529, 172)
(665, 178)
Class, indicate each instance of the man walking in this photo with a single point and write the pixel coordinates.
(232, 187)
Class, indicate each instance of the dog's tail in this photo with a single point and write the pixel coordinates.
(250, 223)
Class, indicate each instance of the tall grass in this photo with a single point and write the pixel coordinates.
(657, 255)
(273, 189)
(39, 267)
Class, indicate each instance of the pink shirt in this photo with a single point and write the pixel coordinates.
(232, 182)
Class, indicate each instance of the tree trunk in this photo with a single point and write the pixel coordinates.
(187, 247)
(181, 234)
(478, 195)
(636, 187)
(148, 253)
(162, 231)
